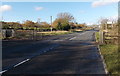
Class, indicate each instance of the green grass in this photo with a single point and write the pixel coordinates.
(110, 54)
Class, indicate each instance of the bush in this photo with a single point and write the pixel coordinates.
(63, 26)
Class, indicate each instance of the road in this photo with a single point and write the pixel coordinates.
(74, 53)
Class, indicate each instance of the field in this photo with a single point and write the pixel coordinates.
(54, 33)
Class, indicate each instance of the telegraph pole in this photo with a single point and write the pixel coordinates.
(51, 23)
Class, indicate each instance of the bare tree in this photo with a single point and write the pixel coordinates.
(65, 16)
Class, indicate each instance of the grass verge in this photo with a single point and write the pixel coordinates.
(110, 54)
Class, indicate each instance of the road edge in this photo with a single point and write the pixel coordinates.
(103, 61)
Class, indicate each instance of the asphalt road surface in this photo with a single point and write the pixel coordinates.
(74, 53)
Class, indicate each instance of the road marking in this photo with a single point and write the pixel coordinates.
(2, 72)
(58, 40)
(72, 38)
(43, 51)
(103, 61)
(36, 55)
(82, 33)
(76, 37)
(21, 62)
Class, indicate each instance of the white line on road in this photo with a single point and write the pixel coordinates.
(2, 72)
(22, 62)
(58, 40)
(72, 38)
(82, 33)
(76, 37)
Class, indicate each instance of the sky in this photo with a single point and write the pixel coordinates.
(84, 12)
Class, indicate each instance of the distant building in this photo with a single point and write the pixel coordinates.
(109, 25)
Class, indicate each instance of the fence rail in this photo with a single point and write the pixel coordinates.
(109, 38)
(21, 34)
(108, 33)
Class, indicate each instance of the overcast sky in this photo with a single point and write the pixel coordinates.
(84, 12)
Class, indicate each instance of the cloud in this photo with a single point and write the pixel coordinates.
(38, 8)
(103, 2)
(4, 8)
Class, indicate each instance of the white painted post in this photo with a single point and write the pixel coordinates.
(51, 23)
(101, 35)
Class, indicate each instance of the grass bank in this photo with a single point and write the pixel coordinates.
(54, 33)
(110, 54)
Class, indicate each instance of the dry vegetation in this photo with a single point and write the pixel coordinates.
(54, 32)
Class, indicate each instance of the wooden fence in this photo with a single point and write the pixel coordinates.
(110, 39)
(108, 34)
(21, 34)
